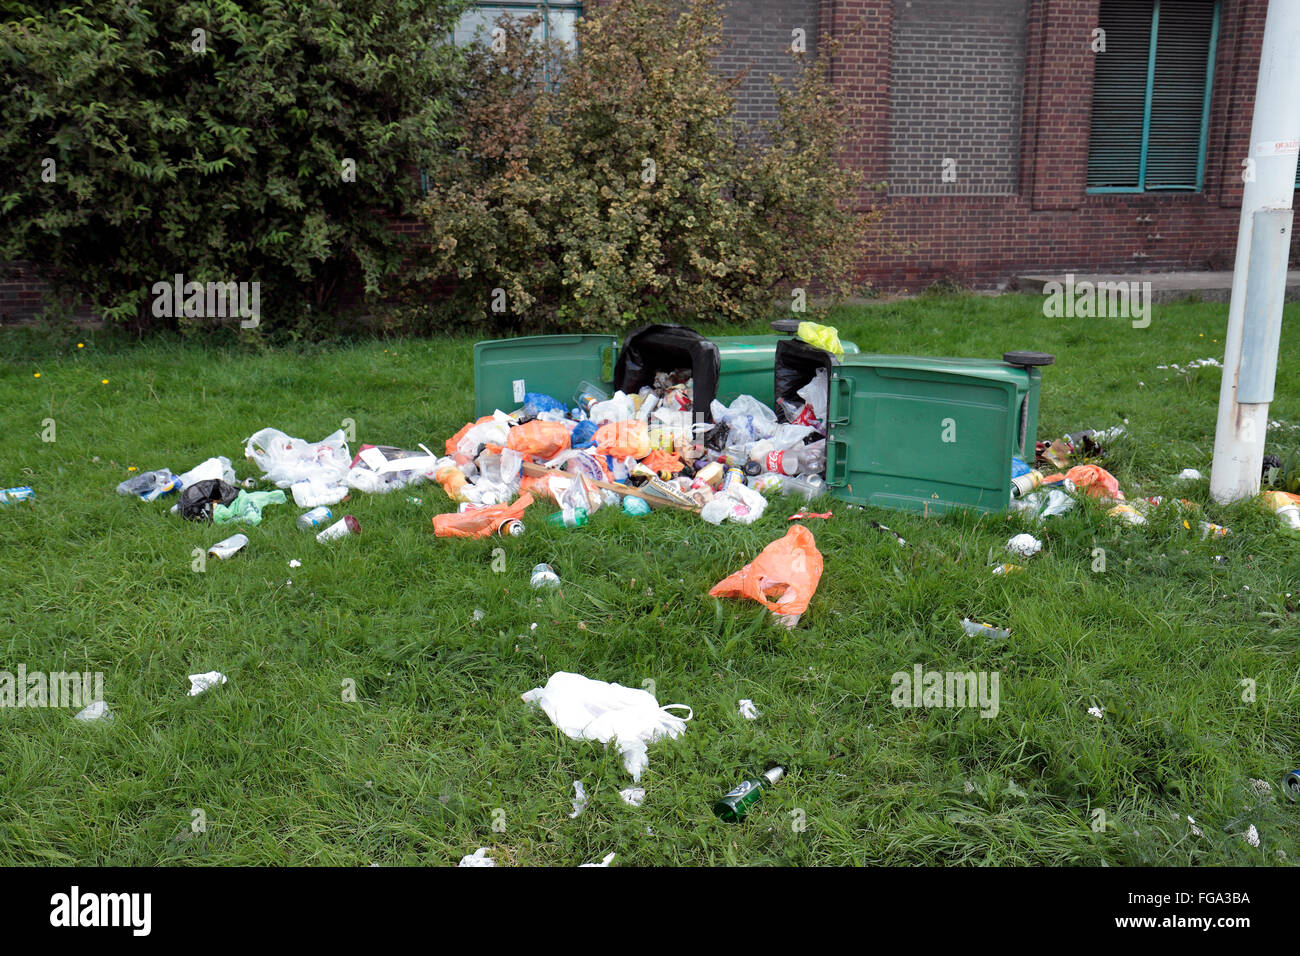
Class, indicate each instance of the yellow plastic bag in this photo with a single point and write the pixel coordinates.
(788, 570)
(823, 336)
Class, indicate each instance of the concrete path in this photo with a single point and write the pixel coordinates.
(1165, 286)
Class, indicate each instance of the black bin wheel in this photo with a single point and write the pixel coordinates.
(1028, 359)
(789, 326)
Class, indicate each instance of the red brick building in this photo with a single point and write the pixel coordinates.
(1015, 135)
(1016, 139)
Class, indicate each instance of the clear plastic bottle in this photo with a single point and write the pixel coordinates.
(804, 460)
(588, 395)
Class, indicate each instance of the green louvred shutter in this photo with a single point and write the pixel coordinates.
(1119, 94)
(1183, 44)
(1151, 95)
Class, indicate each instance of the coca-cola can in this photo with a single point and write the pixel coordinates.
(342, 528)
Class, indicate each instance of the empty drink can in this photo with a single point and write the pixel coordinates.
(343, 527)
(510, 528)
(1026, 483)
(314, 518)
(1292, 784)
(224, 549)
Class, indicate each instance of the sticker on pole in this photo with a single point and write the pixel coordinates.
(1280, 147)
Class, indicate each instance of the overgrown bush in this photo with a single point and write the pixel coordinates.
(144, 138)
(589, 188)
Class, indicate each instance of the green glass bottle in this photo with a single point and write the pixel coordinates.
(736, 803)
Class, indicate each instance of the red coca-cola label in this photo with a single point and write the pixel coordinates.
(805, 416)
(773, 460)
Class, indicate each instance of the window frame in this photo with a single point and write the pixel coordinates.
(1141, 188)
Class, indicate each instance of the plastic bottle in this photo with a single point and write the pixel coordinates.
(568, 518)
(588, 395)
(806, 460)
(808, 487)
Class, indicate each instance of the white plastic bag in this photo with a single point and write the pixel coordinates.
(211, 470)
(588, 709)
(287, 461)
(495, 432)
(815, 393)
(620, 408)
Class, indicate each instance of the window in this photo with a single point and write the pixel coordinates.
(1151, 95)
(558, 19)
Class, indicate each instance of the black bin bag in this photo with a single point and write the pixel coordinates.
(666, 348)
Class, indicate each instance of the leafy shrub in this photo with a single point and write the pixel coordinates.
(210, 139)
(586, 188)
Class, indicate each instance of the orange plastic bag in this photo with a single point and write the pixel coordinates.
(480, 522)
(1096, 482)
(660, 461)
(788, 570)
(623, 439)
(545, 440)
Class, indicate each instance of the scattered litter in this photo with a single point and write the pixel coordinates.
(1193, 365)
(203, 682)
(736, 803)
(214, 469)
(897, 537)
(479, 522)
(579, 799)
(975, 629)
(150, 485)
(315, 518)
(544, 576)
(199, 499)
(1007, 569)
(228, 547)
(788, 570)
(287, 461)
(478, 858)
(1096, 711)
(635, 506)
(95, 711)
(478, 614)
(801, 515)
(1190, 474)
(633, 796)
(1025, 545)
(1292, 784)
(247, 506)
(340, 529)
(609, 858)
(748, 710)
(586, 709)
(11, 496)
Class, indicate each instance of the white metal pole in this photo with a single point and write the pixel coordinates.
(1255, 310)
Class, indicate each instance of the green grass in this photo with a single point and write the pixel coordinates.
(287, 773)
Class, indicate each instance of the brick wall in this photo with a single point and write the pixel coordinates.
(1052, 224)
(758, 36)
(955, 96)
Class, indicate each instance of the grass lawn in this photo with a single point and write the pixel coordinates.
(286, 772)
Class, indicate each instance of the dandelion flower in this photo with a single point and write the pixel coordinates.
(36, 375)
(81, 345)
(103, 381)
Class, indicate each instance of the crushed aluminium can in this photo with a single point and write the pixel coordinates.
(314, 518)
(9, 496)
(226, 548)
(510, 528)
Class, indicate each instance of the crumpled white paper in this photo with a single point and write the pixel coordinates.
(1025, 545)
(609, 858)
(202, 682)
(588, 709)
(95, 711)
(748, 710)
(478, 858)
